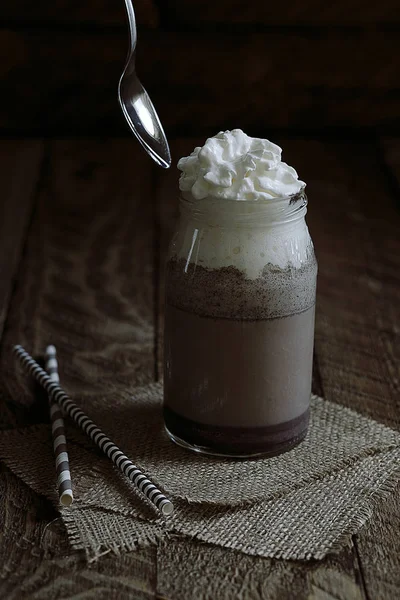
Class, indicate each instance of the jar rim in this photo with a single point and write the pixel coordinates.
(284, 209)
(290, 199)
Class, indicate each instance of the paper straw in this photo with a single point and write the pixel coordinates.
(57, 394)
(64, 483)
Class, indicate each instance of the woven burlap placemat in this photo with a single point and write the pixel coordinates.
(300, 505)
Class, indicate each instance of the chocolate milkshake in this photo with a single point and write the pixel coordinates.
(239, 320)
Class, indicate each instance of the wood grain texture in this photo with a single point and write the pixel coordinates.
(73, 12)
(20, 169)
(357, 245)
(87, 281)
(86, 284)
(36, 561)
(355, 224)
(378, 543)
(378, 547)
(190, 570)
(19, 175)
(340, 80)
(290, 13)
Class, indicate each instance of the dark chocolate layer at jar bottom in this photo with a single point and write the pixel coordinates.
(236, 441)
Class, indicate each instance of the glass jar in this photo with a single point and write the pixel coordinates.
(239, 326)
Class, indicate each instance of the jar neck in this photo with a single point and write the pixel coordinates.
(220, 212)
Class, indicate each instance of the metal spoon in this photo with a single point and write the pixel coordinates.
(137, 106)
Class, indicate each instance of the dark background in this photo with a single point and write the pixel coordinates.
(87, 273)
(307, 67)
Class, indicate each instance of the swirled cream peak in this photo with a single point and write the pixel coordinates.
(234, 166)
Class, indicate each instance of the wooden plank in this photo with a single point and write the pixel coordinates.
(342, 80)
(24, 539)
(354, 223)
(184, 566)
(291, 13)
(378, 548)
(36, 561)
(106, 13)
(20, 168)
(378, 543)
(84, 219)
(20, 163)
(87, 278)
(85, 284)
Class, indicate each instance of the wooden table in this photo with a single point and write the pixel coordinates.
(85, 224)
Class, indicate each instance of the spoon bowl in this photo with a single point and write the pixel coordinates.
(137, 107)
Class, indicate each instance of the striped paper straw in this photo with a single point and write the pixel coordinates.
(57, 394)
(64, 483)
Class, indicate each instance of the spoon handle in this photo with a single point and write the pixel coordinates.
(132, 27)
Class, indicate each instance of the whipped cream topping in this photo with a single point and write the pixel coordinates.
(234, 166)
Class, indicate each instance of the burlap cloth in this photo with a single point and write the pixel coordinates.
(301, 505)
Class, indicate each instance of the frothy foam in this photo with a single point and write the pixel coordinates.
(242, 207)
(234, 166)
(215, 239)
